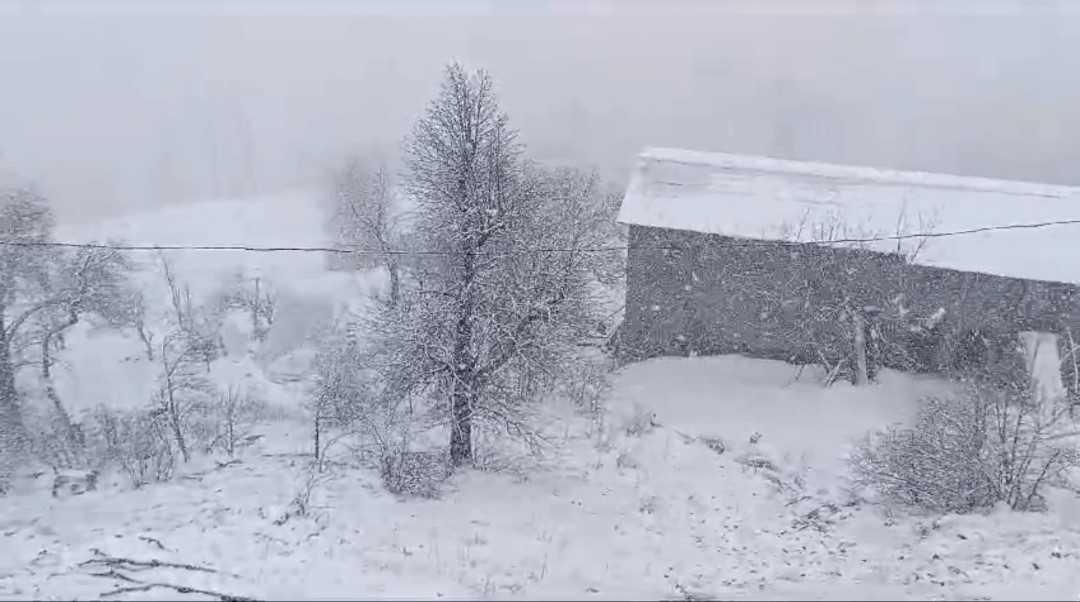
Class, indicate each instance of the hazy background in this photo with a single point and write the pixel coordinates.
(116, 105)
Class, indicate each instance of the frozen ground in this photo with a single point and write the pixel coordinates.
(666, 497)
(656, 514)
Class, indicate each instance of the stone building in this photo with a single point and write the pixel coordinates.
(779, 259)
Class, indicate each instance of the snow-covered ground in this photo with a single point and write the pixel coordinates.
(705, 478)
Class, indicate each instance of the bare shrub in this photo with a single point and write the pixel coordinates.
(137, 442)
(846, 323)
(351, 402)
(252, 296)
(183, 392)
(970, 451)
(183, 387)
(193, 328)
(414, 473)
(494, 452)
(369, 220)
(586, 384)
(345, 401)
(238, 411)
(8, 460)
(222, 422)
(303, 504)
(138, 320)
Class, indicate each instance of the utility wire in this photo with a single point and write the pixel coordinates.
(600, 249)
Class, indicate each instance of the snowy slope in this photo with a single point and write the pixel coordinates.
(293, 219)
(703, 478)
(90, 371)
(652, 514)
(771, 199)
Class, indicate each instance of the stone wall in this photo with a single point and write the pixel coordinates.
(693, 293)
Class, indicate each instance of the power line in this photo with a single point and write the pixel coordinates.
(599, 249)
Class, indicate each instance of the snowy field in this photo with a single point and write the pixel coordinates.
(703, 478)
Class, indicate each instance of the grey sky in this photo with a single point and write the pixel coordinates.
(128, 103)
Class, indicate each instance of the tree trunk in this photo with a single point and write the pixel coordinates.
(13, 434)
(174, 420)
(395, 280)
(461, 452)
(463, 390)
(173, 414)
(46, 374)
(256, 327)
(141, 329)
(318, 433)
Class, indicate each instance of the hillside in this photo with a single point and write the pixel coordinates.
(698, 478)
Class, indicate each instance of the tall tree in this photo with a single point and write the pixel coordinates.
(44, 291)
(26, 224)
(510, 259)
(91, 281)
(368, 218)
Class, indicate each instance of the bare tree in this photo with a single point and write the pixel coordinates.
(26, 224)
(507, 286)
(238, 411)
(91, 281)
(368, 219)
(189, 323)
(849, 324)
(258, 300)
(138, 319)
(189, 342)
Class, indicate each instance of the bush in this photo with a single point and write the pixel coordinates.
(586, 384)
(414, 473)
(971, 451)
(58, 441)
(225, 423)
(138, 442)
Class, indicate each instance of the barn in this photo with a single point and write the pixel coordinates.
(791, 260)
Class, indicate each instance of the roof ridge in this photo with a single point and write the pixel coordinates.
(855, 173)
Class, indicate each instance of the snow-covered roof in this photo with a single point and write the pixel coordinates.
(772, 199)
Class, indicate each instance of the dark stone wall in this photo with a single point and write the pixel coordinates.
(689, 292)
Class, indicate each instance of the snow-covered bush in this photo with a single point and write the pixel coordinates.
(252, 296)
(56, 440)
(586, 383)
(137, 442)
(414, 473)
(222, 420)
(193, 327)
(353, 402)
(987, 445)
(237, 413)
(8, 460)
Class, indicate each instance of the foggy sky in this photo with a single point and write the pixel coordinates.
(120, 105)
